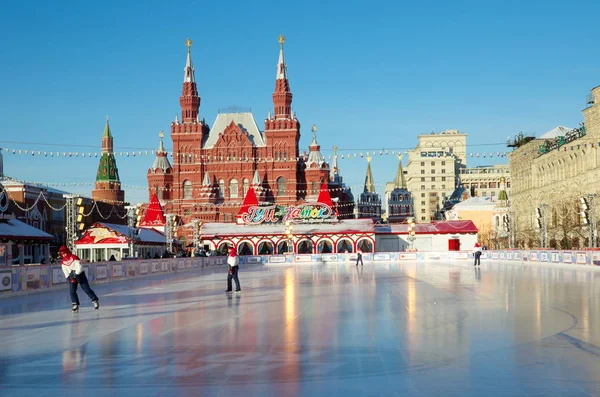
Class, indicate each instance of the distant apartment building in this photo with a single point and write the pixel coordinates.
(484, 181)
(433, 169)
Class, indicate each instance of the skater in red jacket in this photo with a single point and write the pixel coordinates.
(71, 267)
(233, 262)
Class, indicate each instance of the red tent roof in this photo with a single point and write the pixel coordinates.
(440, 227)
(249, 201)
(324, 196)
(154, 215)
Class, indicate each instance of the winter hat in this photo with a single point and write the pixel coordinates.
(476, 244)
(64, 248)
(232, 251)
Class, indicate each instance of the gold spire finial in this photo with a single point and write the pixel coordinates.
(314, 128)
(399, 157)
(188, 43)
(161, 134)
(281, 40)
(335, 148)
(107, 118)
(368, 158)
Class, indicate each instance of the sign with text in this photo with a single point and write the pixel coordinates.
(101, 272)
(329, 258)
(303, 258)
(143, 268)
(117, 271)
(409, 256)
(277, 259)
(381, 257)
(581, 258)
(58, 276)
(253, 259)
(533, 257)
(6, 281)
(304, 213)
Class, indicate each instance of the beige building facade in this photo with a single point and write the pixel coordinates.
(552, 175)
(432, 170)
(485, 180)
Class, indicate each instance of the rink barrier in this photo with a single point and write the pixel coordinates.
(23, 279)
(29, 278)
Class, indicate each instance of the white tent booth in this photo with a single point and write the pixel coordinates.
(103, 240)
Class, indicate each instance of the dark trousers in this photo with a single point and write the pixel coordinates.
(359, 258)
(233, 274)
(85, 286)
(477, 260)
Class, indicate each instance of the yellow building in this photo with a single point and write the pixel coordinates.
(549, 177)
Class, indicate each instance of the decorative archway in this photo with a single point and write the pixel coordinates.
(344, 245)
(245, 248)
(265, 247)
(325, 246)
(284, 246)
(365, 244)
(223, 247)
(305, 247)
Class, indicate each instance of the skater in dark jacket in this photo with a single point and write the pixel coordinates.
(233, 262)
(359, 257)
(71, 267)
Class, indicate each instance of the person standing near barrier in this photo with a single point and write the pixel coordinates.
(233, 261)
(477, 254)
(71, 267)
(359, 257)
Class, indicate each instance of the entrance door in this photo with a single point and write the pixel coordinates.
(454, 244)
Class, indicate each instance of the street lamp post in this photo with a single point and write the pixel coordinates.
(411, 232)
(289, 234)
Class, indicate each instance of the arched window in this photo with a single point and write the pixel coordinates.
(159, 192)
(245, 185)
(284, 156)
(344, 245)
(187, 189)
(281, 186)
(365, 245)
(314, 188)
(265, 248)
(221, 188)
(245, 248)
(305, 247)
(245, 156)
(325, 247)
(233, 188)
(285, 246)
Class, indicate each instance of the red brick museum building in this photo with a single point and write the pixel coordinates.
(213, 167)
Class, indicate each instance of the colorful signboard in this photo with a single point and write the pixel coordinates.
(304, 213)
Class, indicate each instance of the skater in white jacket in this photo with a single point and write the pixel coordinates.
(477, 254)
(71, 267)
(233, 262)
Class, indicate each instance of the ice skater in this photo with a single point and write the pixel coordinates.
(477, 254)
(233, 262)
(359, 257)
(71, 267)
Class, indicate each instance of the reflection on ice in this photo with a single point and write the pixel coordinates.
(408, 328)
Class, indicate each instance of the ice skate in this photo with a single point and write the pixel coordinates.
(75, 308)
(96, 305)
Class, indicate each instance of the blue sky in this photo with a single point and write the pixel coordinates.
(371, 75)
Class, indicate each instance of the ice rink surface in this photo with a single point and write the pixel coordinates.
(425, 329)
